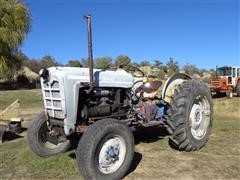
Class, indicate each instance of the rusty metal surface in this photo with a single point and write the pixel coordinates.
(149, 87)
(81, 128)
(90, 55)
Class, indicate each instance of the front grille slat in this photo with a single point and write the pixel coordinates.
(53, 108)
(215, 82)
(52, 99)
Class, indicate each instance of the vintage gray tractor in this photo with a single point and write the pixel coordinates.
(103, 107)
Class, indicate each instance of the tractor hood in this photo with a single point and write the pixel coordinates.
(101, 78)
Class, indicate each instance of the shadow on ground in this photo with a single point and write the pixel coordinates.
(150, 134)
(10, 136)
(145, 135)
(136, 160)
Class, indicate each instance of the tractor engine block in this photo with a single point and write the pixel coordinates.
(103, 102)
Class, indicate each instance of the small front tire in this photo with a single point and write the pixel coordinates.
(105, 151)
(37, 140)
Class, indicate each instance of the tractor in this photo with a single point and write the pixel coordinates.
(227, 81)
(104, 107)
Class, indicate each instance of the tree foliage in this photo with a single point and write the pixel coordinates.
(14, 26)
(172, 65)
(191, 69)
(170, 72)
(157, 63)
(34, 65)
(163, 69)
(21, 57)
(84, 62)
(18, 59)
(145, 63)
(122, 59)
(135, 64)
(48, 61)
(160, 74)
(74, 63)
(103, 62)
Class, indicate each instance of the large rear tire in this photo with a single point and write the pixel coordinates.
(105, 151)
(191, 114)
(37, 140)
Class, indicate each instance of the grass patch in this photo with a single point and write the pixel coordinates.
(219, 159)
(28, 98)
(17, 161)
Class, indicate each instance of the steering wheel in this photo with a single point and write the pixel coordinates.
(135, 71)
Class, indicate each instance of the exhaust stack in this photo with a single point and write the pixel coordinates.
(90, 56)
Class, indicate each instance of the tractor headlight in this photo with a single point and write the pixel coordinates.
(44, 73)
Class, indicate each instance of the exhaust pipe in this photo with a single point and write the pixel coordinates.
(90, 56)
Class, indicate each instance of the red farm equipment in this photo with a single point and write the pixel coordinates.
(227, 81)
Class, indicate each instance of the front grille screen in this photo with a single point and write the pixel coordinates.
(52, 100)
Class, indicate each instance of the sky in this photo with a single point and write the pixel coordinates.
(200, 32)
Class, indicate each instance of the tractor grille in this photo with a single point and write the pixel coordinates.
(215, 82)
(52, 100)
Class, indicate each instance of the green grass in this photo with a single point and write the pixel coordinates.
(219, 159)
(17, 161)
(28, 98)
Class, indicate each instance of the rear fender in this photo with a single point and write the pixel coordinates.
(171, 84)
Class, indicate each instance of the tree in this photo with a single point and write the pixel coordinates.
(191, 69)
(14, 26)
(135, 64)
(122, 59)
(74, 63)
(172, 65)
(170, 72)
(48, 61)
(34, 65)
(103, 62)
(145, 63)
(45, 62)
(164, 68)
(213, 73)
(84, 62)
(160, 74)
(203, 70)
(157, 64)
(19, 59)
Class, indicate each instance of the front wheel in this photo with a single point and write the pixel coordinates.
(37, 138)
(105, 151)
(191, 113)
(229, 93)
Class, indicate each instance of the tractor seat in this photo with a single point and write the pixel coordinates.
(149, 87)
